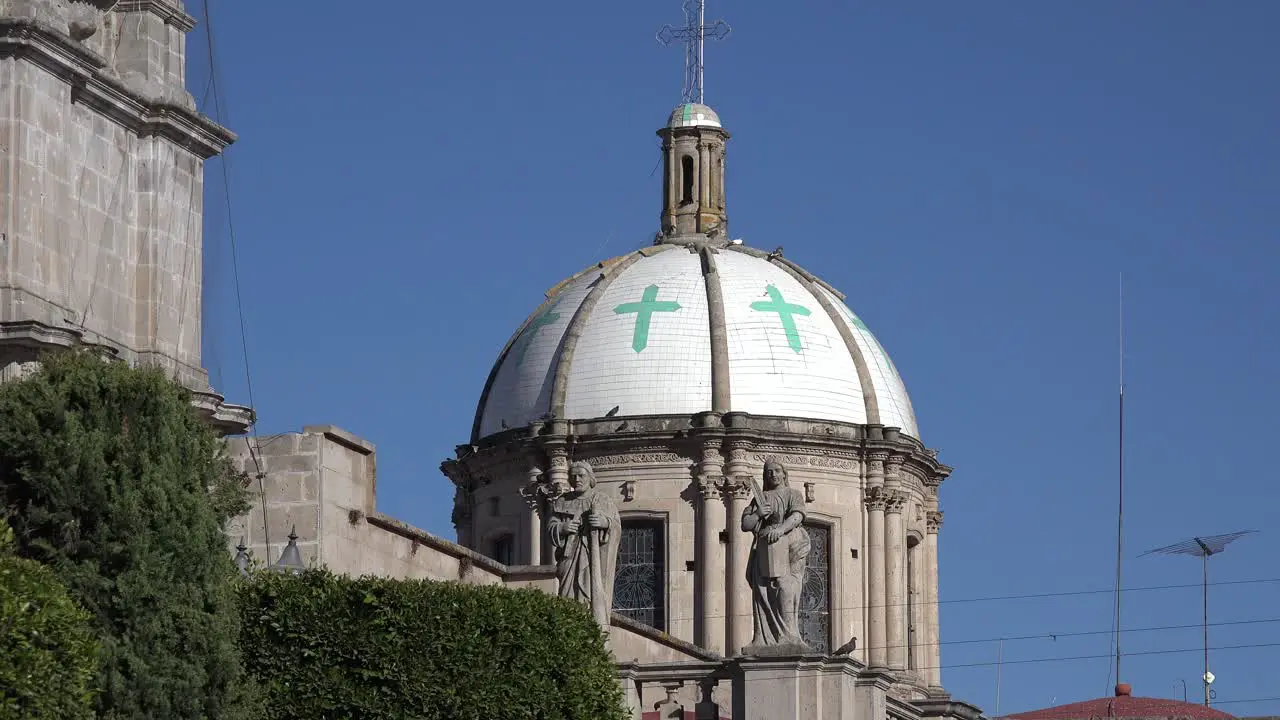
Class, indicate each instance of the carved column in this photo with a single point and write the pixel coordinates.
(533, 498)
(708, 580)
(704, 177)
(558, 459)
(874, 497)
(917, 628)
(896, 580)
(737, 547)
(720, 177)
(673, 188)
(934, 524)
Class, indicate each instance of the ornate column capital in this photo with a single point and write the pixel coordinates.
(734, 488)
(710, 488)
(875, 497)
(711, 467)
(456, 472)
(895, 502)
(933, 521)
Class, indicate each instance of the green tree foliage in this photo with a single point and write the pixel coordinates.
(119, 488)
(48, 657)
(329, 646)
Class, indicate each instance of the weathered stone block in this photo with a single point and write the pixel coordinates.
(304, 519)
(289, 463)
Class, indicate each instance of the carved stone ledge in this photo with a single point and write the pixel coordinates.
(93, 83)
(169, 12)
(644, 458)
(225, 418)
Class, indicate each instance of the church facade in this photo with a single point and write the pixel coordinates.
(675, 373)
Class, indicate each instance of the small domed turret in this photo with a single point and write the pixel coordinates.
(693, 195)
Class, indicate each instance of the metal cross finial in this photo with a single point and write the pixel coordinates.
(694, 34)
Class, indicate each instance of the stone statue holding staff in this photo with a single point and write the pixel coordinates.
(775, 567)
(585, 532)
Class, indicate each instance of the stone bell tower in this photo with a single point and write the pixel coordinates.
(693, 147)
(101, 188)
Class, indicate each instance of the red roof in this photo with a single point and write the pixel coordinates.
(1125, 706)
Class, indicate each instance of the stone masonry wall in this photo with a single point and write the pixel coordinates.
(100, 217)
(320, 484)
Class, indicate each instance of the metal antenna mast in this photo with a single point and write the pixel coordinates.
(1202, 547)
(694, 35)
(1120, 503)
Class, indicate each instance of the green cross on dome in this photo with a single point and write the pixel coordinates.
(785, 311)
(548, 317)
(644, 310)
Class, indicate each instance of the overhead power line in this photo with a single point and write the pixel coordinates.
(1024, 596)
(254, 452)
(1077, 658)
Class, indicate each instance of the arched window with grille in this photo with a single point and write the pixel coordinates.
(815, 594)
(640, 582)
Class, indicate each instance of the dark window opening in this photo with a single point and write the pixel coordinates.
(503, 550)
(686, 172)
(815, 593)
(639, 585)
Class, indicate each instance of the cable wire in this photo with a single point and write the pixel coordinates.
(235, 271)
(1072, 658)
(1023, 596)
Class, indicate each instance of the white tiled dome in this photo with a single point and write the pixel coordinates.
(641, 341)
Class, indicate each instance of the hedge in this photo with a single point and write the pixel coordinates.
(327, 646)
(48, 657)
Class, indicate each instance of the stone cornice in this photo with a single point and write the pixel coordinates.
(226, 418)
(945, 707)
(169, 13)
(677, 440)
(93, 84)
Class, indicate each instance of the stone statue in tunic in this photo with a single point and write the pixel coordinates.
(585, 532)
(775, 567)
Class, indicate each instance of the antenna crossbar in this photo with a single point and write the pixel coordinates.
(1200, 546)
(694, 35)
(1203, 548)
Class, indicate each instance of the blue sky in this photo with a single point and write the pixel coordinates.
(410, 177)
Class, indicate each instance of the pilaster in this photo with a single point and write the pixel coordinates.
(709, 583)
(875, 498)
(737, 549)
(933, 522)
(895, 565)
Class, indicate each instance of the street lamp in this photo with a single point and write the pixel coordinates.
(290, 558)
